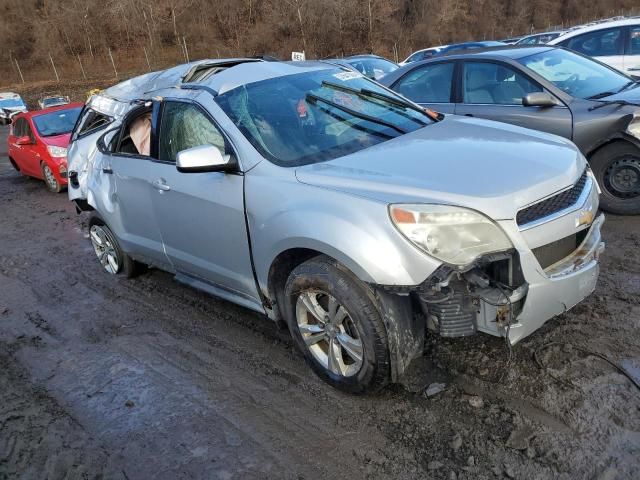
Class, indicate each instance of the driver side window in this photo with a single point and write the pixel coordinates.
(491, 83)
(184, 126)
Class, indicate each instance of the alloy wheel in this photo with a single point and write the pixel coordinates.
(329, 333)
(52, 183)
(104, 248)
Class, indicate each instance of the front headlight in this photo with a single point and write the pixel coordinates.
(57, 151)
(454, 235)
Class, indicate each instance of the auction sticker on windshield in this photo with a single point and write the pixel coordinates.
(347, 75)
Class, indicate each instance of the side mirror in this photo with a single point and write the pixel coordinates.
(26, 140)
(205, 158)
(539, 99)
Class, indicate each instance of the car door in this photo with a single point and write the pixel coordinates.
(494, 90)
(201, 215)
(631, 61)
(120, 190)
(28, 156)
(607, 45)
(429, 85)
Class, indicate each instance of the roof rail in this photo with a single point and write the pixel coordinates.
(197, 86)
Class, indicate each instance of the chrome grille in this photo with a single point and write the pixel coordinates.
(552, 204)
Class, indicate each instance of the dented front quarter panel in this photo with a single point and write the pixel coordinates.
(554, 291)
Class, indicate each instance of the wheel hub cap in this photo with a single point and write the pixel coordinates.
(104, 249)
(623, 177)
(51, 180)
(329, 333)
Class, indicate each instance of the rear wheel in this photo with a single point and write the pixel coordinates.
(49, 179)
(108, 250)
(617, 169)
(335, 322)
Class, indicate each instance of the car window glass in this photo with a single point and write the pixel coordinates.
(318, 115)
(185, 126)
(428, 84)
(18, 127)
(492, 83)
(135, 134)
(576, 75)
(90, 121)
(634, 41)
(27, 132)
(56, 123)
(598, 44)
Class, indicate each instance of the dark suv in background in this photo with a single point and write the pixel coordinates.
(544, 88)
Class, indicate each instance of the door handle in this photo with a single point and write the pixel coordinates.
(161, 185)
(107, 170)
(468, 114)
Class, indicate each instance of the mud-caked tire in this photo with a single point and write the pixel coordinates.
(109, 252)
(336, 323)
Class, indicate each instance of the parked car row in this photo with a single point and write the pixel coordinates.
(314, 195)
(545, 88)
(615, 42)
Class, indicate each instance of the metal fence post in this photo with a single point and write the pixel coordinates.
(113, 63)
(55, 70)
(84, 75)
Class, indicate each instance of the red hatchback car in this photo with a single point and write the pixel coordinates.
(38, 143)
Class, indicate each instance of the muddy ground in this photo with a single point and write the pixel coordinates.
(103, 377)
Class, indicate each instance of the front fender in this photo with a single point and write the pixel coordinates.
(284, 214)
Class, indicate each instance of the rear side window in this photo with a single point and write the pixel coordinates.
(597, 44)
(90, 121)
(428, 84)
(185, 126)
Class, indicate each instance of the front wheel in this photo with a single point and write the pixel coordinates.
(335, 322)
(617, 169)
(50, 180)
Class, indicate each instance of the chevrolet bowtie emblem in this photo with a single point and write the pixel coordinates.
(585, 217)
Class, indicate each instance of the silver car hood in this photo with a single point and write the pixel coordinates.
(488, 166)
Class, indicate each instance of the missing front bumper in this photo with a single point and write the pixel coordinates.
(516, 301)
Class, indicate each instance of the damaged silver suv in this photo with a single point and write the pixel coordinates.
(313, 195)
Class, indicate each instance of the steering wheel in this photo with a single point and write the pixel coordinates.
(574, 78)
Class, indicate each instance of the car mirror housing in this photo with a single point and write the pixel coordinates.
(23, 140)
(539, 99)
(204, 158)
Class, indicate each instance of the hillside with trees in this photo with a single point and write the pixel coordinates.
(87, 37)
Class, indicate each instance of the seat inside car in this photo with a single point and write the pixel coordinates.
(477, 86)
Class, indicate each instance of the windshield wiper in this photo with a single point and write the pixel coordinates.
(365, 92)
(614, 102)
(600, 95)
(310, 97)
(627, 85)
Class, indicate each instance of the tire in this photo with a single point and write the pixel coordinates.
(617, 169)
(110, 255)
(355, 334)
(14, 164)
(49, 180)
